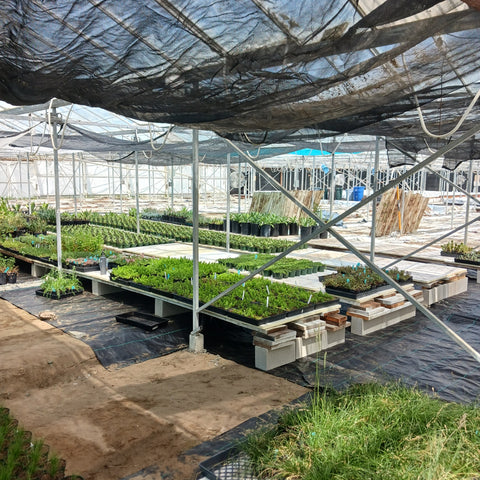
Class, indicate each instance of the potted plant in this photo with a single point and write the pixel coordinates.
(6, 265)
(60, 284)
(282, 226)
(12, 274)
(306, 226)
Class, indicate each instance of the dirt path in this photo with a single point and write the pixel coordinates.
(110, 424)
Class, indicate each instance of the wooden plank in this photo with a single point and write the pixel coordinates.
(389, 207)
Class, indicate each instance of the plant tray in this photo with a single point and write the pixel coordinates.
(449, 254)
(228, 464)
(145, 321)
(467, 262)
(355, 295)
(83, 268)
(57, 296)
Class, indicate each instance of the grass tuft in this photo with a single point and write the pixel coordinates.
(370, 432)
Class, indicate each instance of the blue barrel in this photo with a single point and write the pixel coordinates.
(358, 193)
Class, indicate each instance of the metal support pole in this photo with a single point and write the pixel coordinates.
(196, 338)
(238, 185)
(28, 184)
(332, 182)
(374, 202)
(171, 186)
(453, 199)
(53, 122)
(121, 187)
(137, 204)
(46, 176)
(467, 210)
(227, 221)
(327, 226)
(74, 184)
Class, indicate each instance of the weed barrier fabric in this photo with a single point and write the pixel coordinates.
(91, 319)
(415, 351)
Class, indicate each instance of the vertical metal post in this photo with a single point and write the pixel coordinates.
(374, 202)
(46, 175)
(469, 190)
(453, 199)
(149, 179)
(121, 187)
(171, 185)
(74, 176)
(238, 185)
(227, 221)
(53, 122)
(28, 184)
(19, 190)
(332, 182)
(196, 338)
(137, 192)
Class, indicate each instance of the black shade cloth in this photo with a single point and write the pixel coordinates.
(255, 71)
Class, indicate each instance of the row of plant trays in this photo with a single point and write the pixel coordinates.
(234, 315)
(168, 218)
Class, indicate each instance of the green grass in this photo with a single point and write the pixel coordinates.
(24, 459)
(370, 432)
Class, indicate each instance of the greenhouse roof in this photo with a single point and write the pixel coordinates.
(253, 71)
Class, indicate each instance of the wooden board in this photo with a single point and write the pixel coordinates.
(388, 221)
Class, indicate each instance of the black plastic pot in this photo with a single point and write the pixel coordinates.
(265, 230)
(283, 229)
(245, 228)
(11, 278)
(293, 228)
(254, 229)
(275, 230)
(235, 226)
(3, 278)
(305, 231)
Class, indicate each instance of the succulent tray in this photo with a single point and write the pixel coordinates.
(340, 292)
(475, 263)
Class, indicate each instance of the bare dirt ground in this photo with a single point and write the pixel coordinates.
(110, 424)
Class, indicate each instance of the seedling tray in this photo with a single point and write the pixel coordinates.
(146, 321)
(467, 262)
(82, 268)
(59, 296)
(340, 292)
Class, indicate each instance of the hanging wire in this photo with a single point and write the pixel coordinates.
(31, 135)
(420, 114)
(170, 128)
(49, 113)
(459, 124)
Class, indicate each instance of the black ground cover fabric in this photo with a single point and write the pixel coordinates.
(415, 351)
(91, 319)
